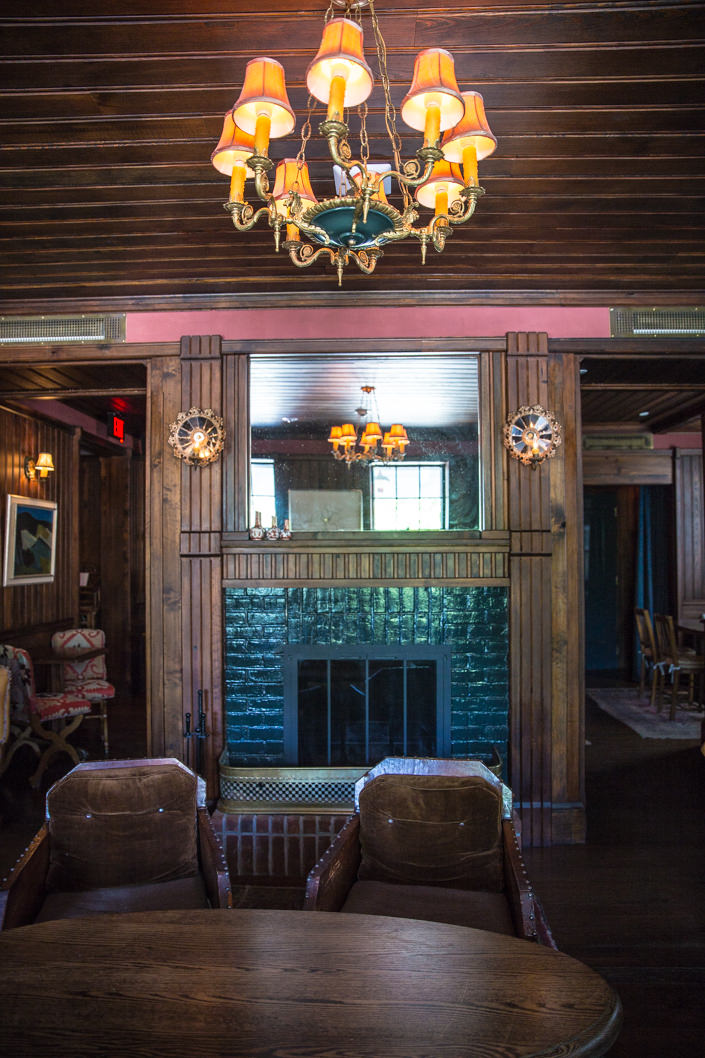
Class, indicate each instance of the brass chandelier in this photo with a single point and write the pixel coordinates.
(358, 221)
(345, 444)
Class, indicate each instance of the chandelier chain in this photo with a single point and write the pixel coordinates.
(390, 114)
(305, 132)
(364, 141)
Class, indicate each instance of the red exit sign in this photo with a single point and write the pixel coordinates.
(117, 428)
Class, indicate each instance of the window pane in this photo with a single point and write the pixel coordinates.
(384, 481)
(407, 480)
(385, 514)
(431, 480)
(431, 514)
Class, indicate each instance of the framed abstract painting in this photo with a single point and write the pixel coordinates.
(30, 541)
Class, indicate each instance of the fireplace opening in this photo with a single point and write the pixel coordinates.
(355, 705)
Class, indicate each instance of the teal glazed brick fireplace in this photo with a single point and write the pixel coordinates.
(260, 623)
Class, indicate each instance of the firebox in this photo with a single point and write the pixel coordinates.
(357, 704)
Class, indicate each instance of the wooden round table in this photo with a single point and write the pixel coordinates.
(292, 984)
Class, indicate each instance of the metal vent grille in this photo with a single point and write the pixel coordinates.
(657, 323)
(84, 328)
(291, 792)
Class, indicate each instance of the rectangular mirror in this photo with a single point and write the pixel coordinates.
(299, 473)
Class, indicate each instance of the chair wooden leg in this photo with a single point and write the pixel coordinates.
(674, 693)
(642, 676)
(658, 687)
(104, 728)
(57, 744)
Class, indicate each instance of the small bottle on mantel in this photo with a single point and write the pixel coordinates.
(285, 531)
(257, 532)
(273, 532)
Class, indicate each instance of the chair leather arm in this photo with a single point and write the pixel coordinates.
(22, 892)
(213, 864)
(529, 918)
(331, 879)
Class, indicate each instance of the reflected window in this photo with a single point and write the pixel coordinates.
(409, 496)
(262, 495)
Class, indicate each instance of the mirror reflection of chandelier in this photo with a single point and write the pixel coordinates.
(359, 220)
(346, 445)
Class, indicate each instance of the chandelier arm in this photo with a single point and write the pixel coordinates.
(366, 260)
(411, 178)
(243, 215)
(461, 209)
(303, 255)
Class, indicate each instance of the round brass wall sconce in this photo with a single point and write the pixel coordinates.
(532, 434)
(197, 436)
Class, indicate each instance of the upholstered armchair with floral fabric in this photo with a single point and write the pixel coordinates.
(85, 672)
(39, 718)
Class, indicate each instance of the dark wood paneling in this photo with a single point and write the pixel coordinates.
(163, 506)
(627, 468)
(546, 619)
(236, 473)
(690, 533)
(108, 121)
(201, 592)
(37, 610)
(115, 564)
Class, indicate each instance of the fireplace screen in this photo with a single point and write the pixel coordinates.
(350, 706)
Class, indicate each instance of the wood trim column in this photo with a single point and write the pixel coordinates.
(201, 573)
(546, 693)
(163, 588)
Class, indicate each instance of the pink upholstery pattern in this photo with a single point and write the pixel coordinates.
(90, 675)
(30, 711)
(52, 705)
(86, 676)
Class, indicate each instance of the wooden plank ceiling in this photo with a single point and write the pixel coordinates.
(109, 113)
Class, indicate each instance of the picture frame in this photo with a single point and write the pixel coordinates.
(325, 510)
(30, 541)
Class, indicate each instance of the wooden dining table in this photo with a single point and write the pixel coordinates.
(293, 984)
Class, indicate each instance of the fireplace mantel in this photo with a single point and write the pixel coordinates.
(364, 558)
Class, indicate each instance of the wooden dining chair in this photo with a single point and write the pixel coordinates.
(678, 661)
(651, 661)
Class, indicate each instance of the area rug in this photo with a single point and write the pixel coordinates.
(625, 705)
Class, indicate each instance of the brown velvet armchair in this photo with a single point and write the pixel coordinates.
(431, 839)
(132, 835)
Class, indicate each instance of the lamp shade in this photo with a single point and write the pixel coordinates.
(473, 128)
(378, 192)
(44, 463)
(234, 146)
(434, 86)
(289, 177)
(264, 93)
(340, 56)
(446, 179)
(372, 433)
(398, 435)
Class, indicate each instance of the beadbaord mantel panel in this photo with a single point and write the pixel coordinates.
(435, 559)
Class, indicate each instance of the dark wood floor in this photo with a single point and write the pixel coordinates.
(630, 902)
